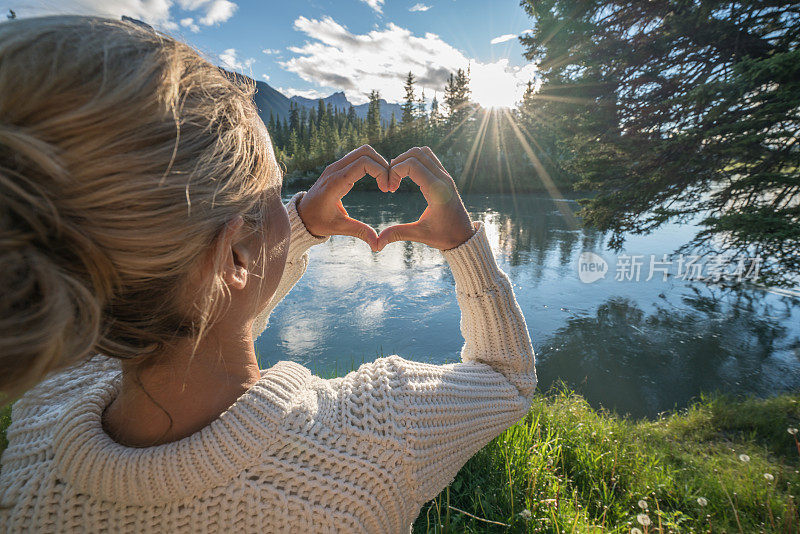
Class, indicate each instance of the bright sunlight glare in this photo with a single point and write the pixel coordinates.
(498, 85)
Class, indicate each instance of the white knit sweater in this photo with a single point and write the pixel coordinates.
(295, 453)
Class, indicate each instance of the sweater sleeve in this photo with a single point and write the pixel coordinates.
(300, 240)
(441, 415)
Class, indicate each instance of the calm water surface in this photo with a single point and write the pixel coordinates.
(637, 347)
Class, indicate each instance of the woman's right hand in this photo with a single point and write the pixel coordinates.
(445, 223)
(321, 208)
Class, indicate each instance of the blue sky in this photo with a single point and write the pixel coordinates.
(315, 47)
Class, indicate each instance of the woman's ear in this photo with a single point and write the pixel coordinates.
(238, 256)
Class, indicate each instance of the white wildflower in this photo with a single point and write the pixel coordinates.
(525, 514)
(702, 501)
(643, 504)
(635, 530)
(643, 519)
(791, 430)
(744, 458)
(769, 477)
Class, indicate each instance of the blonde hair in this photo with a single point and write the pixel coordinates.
(123, 155)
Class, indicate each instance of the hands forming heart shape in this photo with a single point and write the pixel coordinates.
(444, 224)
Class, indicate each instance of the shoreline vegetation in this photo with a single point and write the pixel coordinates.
(723, 464)
(300, 180)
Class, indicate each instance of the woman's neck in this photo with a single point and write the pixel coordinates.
(180, 394)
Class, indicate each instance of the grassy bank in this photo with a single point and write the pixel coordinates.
(722, 465)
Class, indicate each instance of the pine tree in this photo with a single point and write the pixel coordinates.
(294, 117)
(422, 112)
(435, 118)
(392, 126)
(320, 112)
(456, 97)
(374, 117)
(277, 135)
(409, 106)
(671, 109)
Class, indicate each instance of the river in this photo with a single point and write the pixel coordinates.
(637, 347)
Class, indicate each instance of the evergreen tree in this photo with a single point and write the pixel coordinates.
(669, 109)
(329, 113)
(409, 106)
(456, 98)
(294, 117)
(277, 135)
(435, 117)
(392, 126)
(374, 117)
(312, 120)
(321, 109)
(422, 112)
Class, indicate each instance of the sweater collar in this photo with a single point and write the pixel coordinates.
(92, 462)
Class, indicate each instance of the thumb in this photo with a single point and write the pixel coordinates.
(362, 231)
(398, 232)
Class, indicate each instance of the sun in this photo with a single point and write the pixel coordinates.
(497, 85)
(494, 94)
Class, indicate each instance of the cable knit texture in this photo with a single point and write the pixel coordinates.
(295, 453)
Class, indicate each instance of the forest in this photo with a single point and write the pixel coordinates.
(658, 112)
(484, 149)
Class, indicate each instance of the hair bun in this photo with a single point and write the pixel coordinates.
(49, 318)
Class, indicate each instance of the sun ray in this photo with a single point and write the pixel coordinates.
(565, 99)
(455, 129)
(481, 144)
(478, 140)
(544, 176)
(502, 145)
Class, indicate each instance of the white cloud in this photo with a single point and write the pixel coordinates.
(157, 13)
(377, 5)
(189, 23)
(307, 93)
(266, 77)
(270, 51)
(229, 60)
(503, 38)
(419, 7)
(381, 59)
(509, 36)
(217, 11)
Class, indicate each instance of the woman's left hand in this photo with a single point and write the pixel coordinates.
(321, 208)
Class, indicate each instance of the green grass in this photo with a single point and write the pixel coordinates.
(576, 469)
(579, 470)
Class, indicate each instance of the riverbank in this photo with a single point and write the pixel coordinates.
(721, 465)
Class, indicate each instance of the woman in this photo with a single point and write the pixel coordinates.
(144, 244)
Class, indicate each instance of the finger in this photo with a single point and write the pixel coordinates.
(363, 231)
(350, 157)
(399, 232)
(424, 157)
(427, 150)
(433, 189)
(343, 180)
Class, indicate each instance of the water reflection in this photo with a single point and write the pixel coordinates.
(637, 347)
(642, 363)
